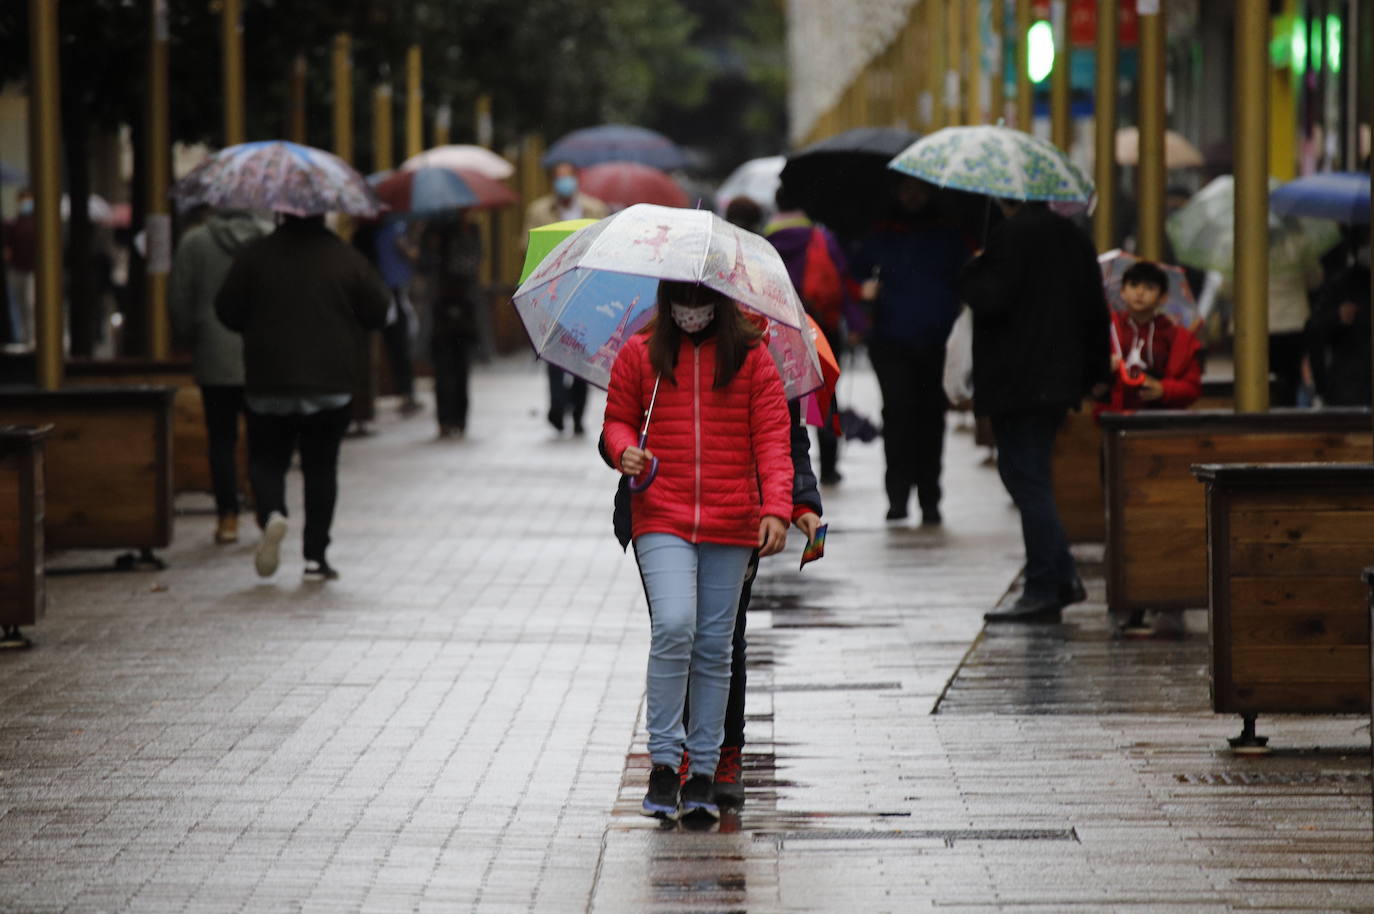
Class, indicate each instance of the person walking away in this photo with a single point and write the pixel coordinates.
(720, 416)
(302, 298)
(567, 394)
(202, 261)
(452, 256)
(744, 212)
(818, 269)
(1338, 333)
(909, 266)
(395, 254)
(1041, 342)
(1295, 270)
(20, 257)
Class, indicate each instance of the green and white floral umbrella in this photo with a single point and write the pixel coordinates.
(996, 161)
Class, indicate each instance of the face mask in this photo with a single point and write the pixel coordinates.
(691, 318)
(565, 186)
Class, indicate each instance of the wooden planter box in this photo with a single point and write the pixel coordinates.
(22, 596)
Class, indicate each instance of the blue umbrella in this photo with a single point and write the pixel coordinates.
(11, 175)
(1342, 196)
(616, 143)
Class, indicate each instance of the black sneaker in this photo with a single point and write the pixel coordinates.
(729, 783)
(1073, 592)
(661, 800)
(321, 571)
(697, 797)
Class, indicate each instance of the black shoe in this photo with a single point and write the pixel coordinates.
(1027, 609)
(728, 788)
(931, 518)
(832, 478)
(697, 797)
(577, 426)
(896, 514)
(661, 800)
(321, 571)
(1073, 592)
(556, 419)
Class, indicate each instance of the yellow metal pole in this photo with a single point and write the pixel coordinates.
(1061, 120)
(997, 73)
(1150, 169)
(954, 59)
(231, 40)
(45, 161)
(343, 96)
(1251, 266)
(1025, 98)
(442, 119)
(383, 154)
(158, 223)
(935, 56)
(483, 127)
(1104, 217)
(415, 116)
(295, 129)
(974, 112)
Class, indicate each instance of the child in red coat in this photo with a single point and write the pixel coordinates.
(1156, 363)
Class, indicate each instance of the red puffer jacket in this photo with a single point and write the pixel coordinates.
(717, 449)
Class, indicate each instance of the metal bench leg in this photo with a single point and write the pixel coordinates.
(1248, 743)
(10, 639)
(144, 560)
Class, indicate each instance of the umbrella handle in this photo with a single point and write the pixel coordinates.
(635, 484)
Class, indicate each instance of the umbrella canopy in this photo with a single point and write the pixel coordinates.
(818, 407)
(1178, 151)
(997, 162)
(544, 238)
(843, 181)
(597, 288)
(616, 143)
(1342, 196)
(11, 175)
(427, 192)
(621, 184)
(278, 176)
(1203, 230)
(757, 179)
(465, 157)
(1179, 303)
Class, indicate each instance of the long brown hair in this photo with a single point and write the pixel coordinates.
(735, 334)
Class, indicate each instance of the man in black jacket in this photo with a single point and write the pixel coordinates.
(302, 298)
(1040, 344)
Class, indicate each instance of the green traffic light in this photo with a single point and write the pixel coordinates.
(1040, 51)
(1333, 43)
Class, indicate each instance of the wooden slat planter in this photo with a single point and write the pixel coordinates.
(1156, 524)
(1290, 627)
(22, 594)
(108, 463)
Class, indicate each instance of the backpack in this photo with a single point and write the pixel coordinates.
(822, 288)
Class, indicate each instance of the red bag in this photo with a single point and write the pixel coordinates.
(822, 288)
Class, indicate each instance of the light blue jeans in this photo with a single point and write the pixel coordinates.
(693, 594)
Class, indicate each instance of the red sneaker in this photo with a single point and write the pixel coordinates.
(729, 784)
(682, 769)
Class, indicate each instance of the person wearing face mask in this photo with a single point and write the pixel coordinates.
(19, 263)
(719, 429)
(567, 394)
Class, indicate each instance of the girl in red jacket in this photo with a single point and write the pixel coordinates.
(719, 429)
(1155, 362)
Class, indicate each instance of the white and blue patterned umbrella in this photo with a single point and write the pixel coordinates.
(278, 176)
(996, 161)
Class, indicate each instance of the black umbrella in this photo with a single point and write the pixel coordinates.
(843, 181)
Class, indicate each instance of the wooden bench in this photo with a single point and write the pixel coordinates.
(1156, 524)
(191, 445)
(1077, 465)
(22, 595)
(1290, 627)
(108, 465)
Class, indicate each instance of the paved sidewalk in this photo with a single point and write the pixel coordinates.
(456, 724)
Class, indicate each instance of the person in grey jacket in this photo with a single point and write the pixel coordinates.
(203, 258)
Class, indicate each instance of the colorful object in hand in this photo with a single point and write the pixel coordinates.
(815, 547)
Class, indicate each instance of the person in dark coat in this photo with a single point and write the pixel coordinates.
(1338, 334)
(1041, 342)
(302, 298)
(908, 266)
(451, 253)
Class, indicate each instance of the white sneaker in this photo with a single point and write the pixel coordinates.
(268, 556)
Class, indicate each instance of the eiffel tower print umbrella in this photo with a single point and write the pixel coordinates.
(597, 288)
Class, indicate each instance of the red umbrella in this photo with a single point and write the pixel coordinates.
(627, 183)
(818, 407)
(433, 191)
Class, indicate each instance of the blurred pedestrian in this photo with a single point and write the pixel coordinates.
(567, 393)
(302, 298)
(451, 256)
(1338, 333)
(20, 251)
(818, 269)
(1041, 342)
(395, 255)
(1295, 271)
(908, 265)
(745, 213)
(202, 261)
(727, 422)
